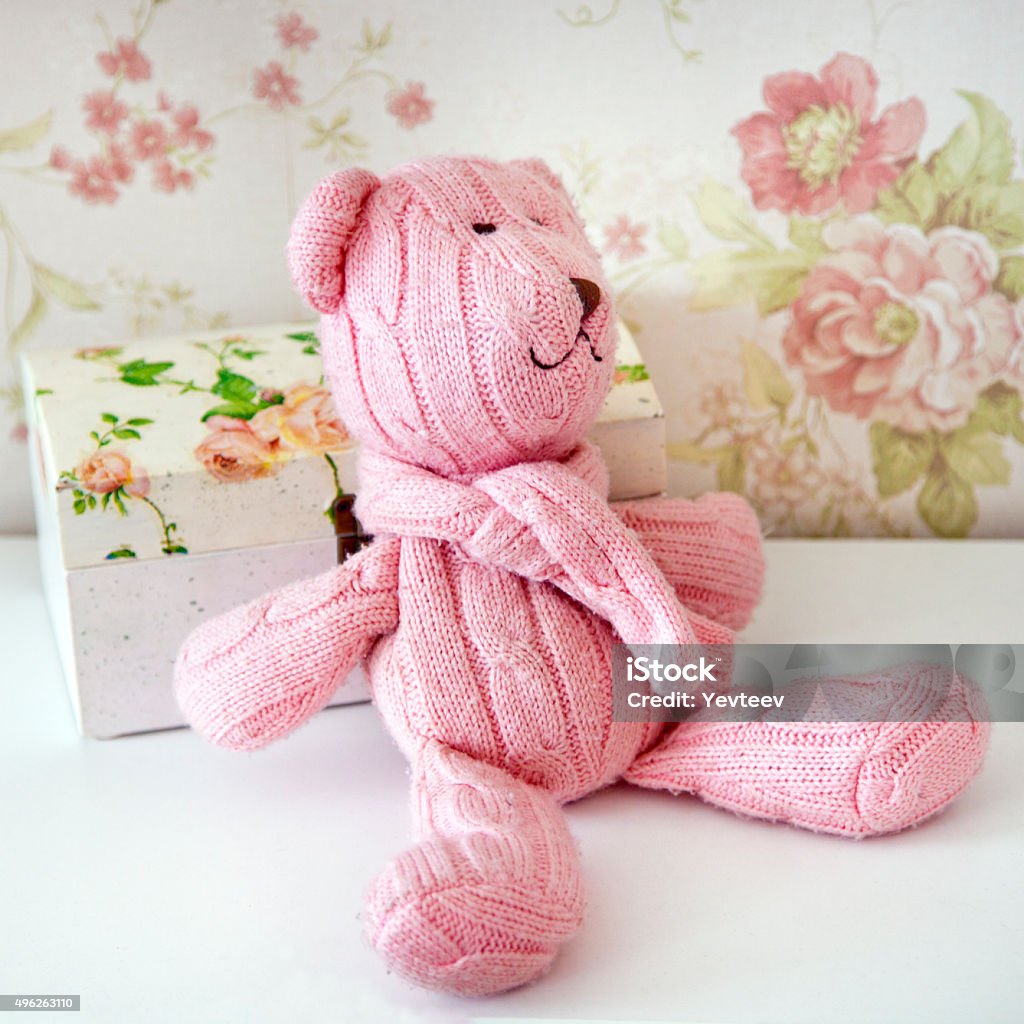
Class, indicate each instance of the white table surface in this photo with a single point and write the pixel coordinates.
(166, 880)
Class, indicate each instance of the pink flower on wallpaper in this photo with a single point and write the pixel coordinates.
(118, 164)
(147, 140)
(293, 31)
(903, 326)
(19, 433)
(624, 239)
(93, 180)
(125, 59)
(60, 158)
(106, 112)
(168, 178)
(819, 145)
(276, 86)
(187, 131)
(411, 106)
(791, 479)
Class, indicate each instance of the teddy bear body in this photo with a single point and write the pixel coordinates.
(468, 337)
(517, 677)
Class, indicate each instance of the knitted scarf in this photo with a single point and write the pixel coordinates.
(544, 521)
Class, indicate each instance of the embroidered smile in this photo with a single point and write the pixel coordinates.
(550, 366)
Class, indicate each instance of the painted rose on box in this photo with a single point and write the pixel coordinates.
(901, 295)
(109, 479)
(252, 430)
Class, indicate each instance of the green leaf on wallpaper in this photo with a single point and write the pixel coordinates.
(721, 281)
(727, 216)
(727, 278)
(674, 8)
(732, 470)
(683, 451)
(763, 379)
(977, 458)
(108, 417)
(352, 141)
(999, 410)
(29, 322)
(673, 240)
(946, 502)
(778, 286)
(898, 458)
(1010, 281)
(979, 151)
(126, 434)
(142, 373)
(372, 41)
(806, 234)
(841, 527)
(911, 199)
(63, 289)
(25, 136)
(997, 211)
(138, 421)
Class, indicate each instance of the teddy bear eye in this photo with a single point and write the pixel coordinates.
(484, 229)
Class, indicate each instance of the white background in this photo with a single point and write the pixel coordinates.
(166, 880)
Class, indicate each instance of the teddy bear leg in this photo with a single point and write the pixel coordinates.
(708, 549)
(916, 744)
(484, 901)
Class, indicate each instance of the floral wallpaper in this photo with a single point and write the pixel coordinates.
(813, 215)
(903, 299)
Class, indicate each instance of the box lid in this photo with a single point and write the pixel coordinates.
(215, 440)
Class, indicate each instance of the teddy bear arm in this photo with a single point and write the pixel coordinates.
(709, 550)
(258, 672)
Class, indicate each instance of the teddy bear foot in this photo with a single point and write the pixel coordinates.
(471, 935)
(917, 738)
(484, 904)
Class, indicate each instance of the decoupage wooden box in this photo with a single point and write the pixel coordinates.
(176, 478)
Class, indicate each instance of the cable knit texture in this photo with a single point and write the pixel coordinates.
(468, 335)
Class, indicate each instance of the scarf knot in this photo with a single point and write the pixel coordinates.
(545, 521)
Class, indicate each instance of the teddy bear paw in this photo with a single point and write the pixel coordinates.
(464, 917)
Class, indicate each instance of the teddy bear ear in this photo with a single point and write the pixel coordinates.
(536, 167)
(321, 232)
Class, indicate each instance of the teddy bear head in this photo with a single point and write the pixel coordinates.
(466, 321)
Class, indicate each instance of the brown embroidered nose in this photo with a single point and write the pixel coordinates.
(589, 293)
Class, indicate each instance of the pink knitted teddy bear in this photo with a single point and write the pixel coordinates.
(468, 335)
